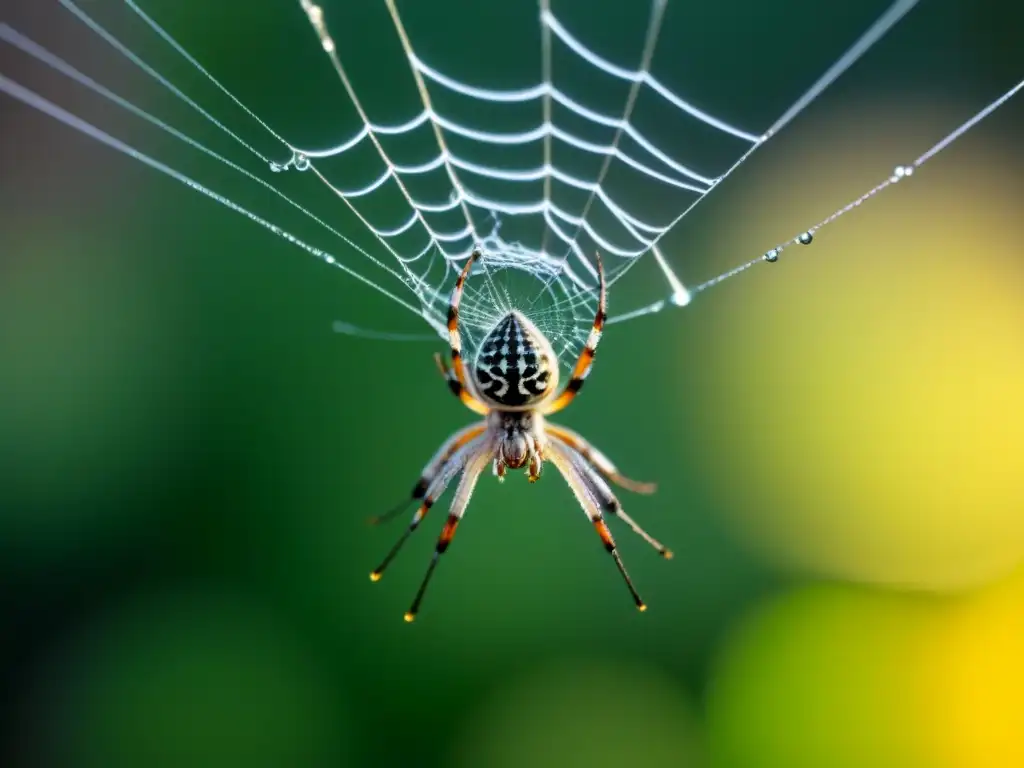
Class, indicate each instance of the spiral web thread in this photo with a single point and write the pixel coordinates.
(423, 256)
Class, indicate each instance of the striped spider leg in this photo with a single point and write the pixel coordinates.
(597, 460)
(457, 382)
(430, 472)
(463, 454)
(512, 382)
(596, 499)
(586, 359)
(476, 461)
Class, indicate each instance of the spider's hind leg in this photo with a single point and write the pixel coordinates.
(457, 388)
(586, 359)
(456, 376)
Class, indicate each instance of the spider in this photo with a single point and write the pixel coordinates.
(513, 385)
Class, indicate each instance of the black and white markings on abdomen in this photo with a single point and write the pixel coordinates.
(515, 364)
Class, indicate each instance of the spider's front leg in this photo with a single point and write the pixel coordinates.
(606, 499)
(449, 461)
(475, 462)
(433, 467)
(585, 496)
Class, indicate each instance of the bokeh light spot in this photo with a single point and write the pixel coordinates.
(887, 393)
(824, 676)
(975, 681)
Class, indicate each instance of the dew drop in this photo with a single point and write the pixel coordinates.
(772, 256)
(901, 172)
(301, 162)
(805, 238)
(276, 167)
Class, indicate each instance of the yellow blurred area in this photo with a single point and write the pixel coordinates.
(868, 386)
(586, 713)
(975, 681)
(820, 678)
(844, 676)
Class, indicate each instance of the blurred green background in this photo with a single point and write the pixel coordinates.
(188, 453)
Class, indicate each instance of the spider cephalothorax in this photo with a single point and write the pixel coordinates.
(519, 438)
(513, 383)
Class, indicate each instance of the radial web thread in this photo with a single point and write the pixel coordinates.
(422, 254)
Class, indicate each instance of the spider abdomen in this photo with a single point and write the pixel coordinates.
(515, 365)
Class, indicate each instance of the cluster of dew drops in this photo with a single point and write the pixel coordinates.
(298, 161)
(807, 237)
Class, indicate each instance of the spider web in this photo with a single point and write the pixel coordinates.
(538, 221)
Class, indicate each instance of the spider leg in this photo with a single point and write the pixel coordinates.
(585, 496)
(593, 456)
(437, 487)
(457, 388)
(475, 465)
(586, 358)
(609, 503)
(458, 385)
(443, 454)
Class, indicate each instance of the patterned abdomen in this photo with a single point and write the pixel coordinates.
(515, 365)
